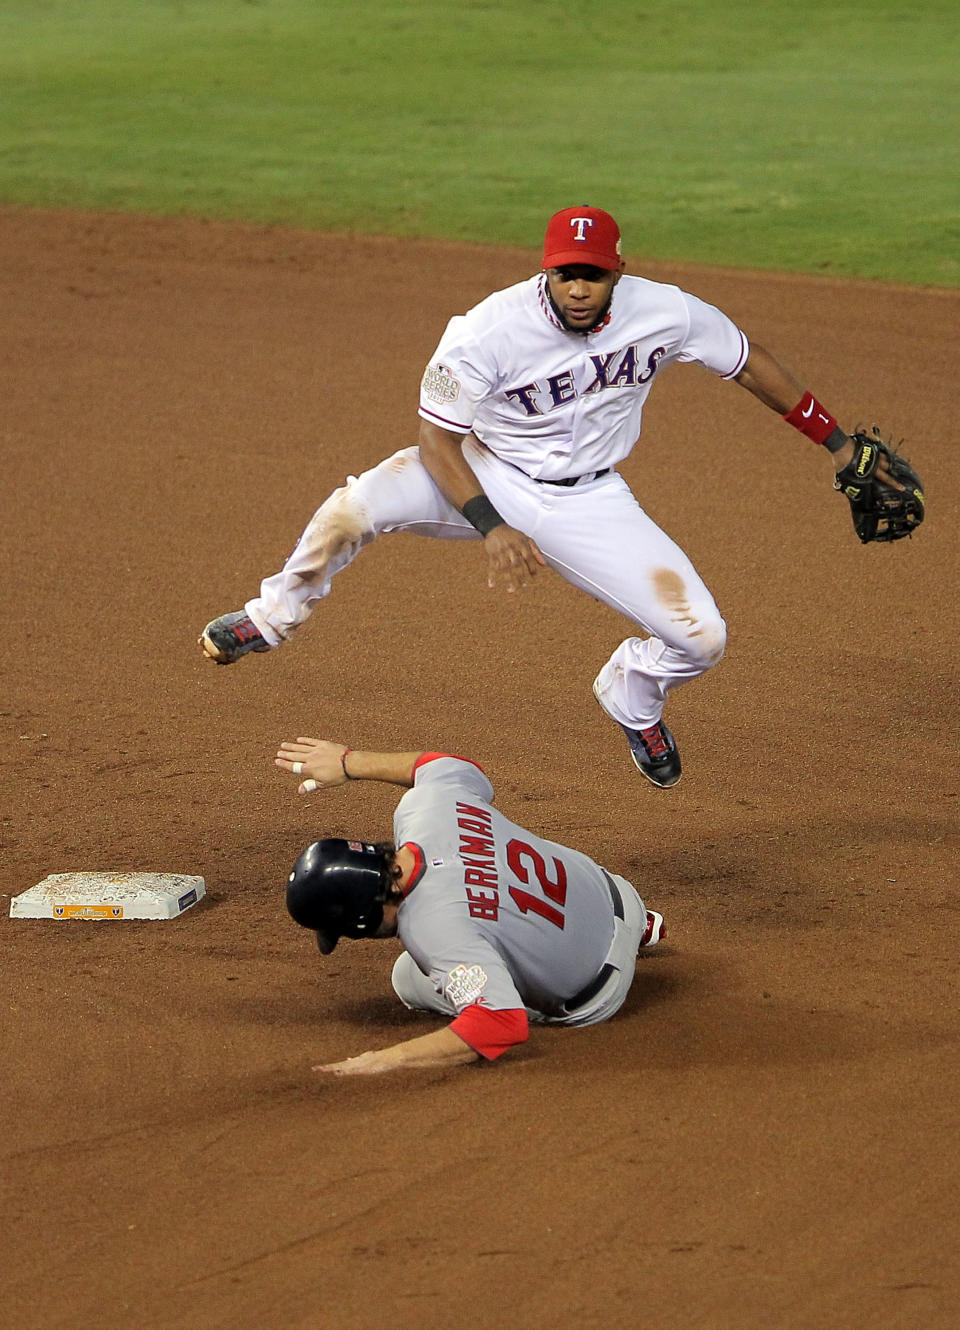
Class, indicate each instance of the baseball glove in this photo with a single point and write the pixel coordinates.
(879, 511)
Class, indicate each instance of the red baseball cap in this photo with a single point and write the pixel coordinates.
(582, 235)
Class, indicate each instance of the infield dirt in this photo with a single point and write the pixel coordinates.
(765, 1137)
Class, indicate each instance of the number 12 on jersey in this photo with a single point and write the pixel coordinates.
(553, 888)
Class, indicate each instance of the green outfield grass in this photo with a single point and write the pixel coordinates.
(825, 140)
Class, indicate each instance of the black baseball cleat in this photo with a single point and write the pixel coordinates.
(226, 639)
(655, 754)
(654, 750)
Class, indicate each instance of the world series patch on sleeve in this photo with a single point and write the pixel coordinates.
(879, 511)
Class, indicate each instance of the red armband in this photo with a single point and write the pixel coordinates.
(491, 1033)
(811, 419)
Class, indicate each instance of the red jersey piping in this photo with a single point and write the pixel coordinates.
(424, 758)
(419, 866)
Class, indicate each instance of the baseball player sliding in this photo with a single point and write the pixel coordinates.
(527, 406)
(499, 927)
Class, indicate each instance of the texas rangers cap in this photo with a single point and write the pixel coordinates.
(582, 235)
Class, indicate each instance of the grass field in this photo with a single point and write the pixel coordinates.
(824, 138)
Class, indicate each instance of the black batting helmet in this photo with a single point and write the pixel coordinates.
(337, 888)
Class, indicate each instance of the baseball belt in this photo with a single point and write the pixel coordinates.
(574, 480)
(606, 970)
(566, 481)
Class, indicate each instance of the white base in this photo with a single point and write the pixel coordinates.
(108, 896)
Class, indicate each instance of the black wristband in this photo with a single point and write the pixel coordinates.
(835, 440)
(480, 513)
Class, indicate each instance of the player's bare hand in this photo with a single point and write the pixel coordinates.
(319, 760)
(364, 1064)
(512, 557)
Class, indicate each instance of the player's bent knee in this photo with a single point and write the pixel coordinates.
(414, 989)
(394, 491)
(340, 524)
(711, 643)
(703, 644)
(400, 978)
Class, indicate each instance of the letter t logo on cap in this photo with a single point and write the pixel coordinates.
(582, 235)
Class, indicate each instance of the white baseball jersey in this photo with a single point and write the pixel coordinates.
(495, 915)
(557, 403)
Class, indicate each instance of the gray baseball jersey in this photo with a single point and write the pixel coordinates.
(494, 914)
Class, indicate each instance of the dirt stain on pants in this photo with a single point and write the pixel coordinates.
(671, 591)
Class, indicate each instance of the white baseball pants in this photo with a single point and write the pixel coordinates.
(594, 534)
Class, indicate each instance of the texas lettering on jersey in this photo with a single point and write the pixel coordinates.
(619, 369)
(556, 404)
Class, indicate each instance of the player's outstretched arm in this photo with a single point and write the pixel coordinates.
(443, 1048)
(774, 385)
(884, 491)
(511, 555)
(326, 764)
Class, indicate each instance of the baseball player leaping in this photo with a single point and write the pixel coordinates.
(529, 403)
(499, 927)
